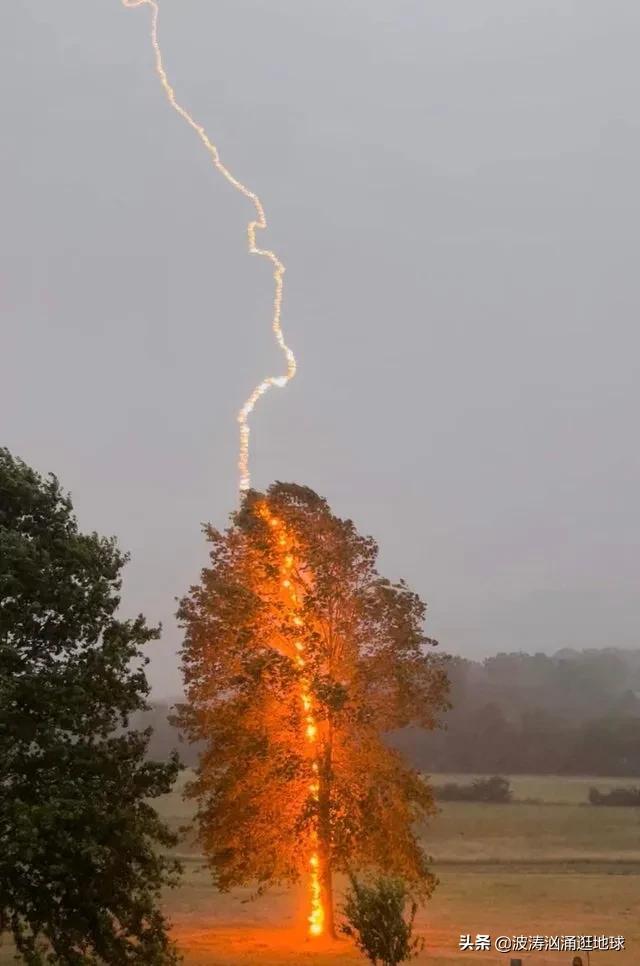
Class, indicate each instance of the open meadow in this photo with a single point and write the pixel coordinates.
(554, 866)
(547, 864)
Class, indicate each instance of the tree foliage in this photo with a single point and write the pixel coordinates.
(377, 920)
(79, 872)
(369, 667)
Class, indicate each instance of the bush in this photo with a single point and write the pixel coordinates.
(616, 796)
(494, 789)
(375, 920)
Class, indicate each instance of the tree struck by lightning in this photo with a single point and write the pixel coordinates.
(298, 659)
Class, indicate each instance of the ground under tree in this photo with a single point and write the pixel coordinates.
(298, 659)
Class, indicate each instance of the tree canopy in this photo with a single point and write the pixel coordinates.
(80, 874)
(292, 634)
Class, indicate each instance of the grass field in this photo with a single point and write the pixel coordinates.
(560, 829)
(558, 867)
(555, 867)
(222, 931)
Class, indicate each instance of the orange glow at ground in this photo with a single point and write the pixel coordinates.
(231, 945)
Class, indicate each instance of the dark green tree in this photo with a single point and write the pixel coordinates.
(80, 863)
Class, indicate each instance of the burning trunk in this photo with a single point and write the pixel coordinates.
(324, 839)
(326, 890)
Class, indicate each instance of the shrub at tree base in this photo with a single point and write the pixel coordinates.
(376, 920)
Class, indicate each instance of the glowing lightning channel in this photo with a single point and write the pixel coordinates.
(260, 221)
(317, 914)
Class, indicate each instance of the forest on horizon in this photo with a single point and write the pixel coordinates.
(569, 713)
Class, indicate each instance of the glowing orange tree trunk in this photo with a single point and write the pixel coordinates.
(324, 840)
(321, 917)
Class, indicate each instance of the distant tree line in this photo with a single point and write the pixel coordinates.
(494, 790)
(629, 797)
(572, 713)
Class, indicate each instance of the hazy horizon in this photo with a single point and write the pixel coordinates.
(454, 193)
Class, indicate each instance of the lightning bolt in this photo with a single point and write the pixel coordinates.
(258, 222)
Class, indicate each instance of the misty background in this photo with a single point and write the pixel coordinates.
(453, 188)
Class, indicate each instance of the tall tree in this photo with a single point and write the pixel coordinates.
(298, 659)
(80, 874)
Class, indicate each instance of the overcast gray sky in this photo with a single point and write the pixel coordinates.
(454, 190)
